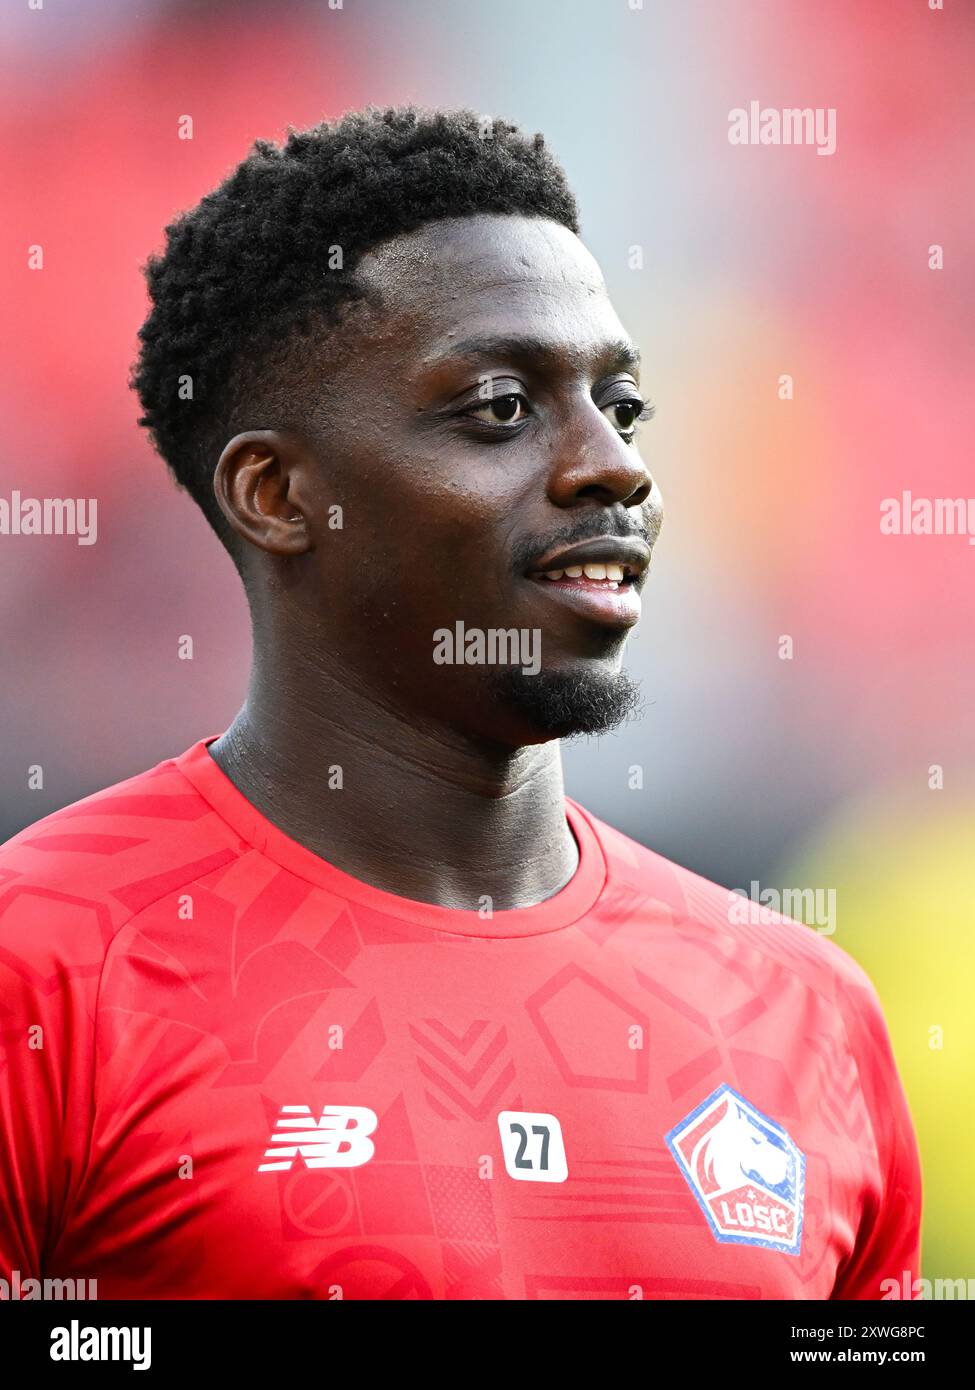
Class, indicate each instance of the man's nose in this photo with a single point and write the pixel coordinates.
(592, 460)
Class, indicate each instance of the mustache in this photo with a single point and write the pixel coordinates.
(592, 528)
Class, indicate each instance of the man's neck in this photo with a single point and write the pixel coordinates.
(417, 811)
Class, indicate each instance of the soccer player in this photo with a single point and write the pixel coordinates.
(350, 1000)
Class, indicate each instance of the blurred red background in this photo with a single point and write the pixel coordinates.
(757, 262)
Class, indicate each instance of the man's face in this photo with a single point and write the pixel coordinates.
(477, 411)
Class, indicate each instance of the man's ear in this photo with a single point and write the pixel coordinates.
(255, 483)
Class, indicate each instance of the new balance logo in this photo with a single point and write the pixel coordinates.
(338, 1140)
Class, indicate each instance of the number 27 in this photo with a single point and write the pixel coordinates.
(520, 1160)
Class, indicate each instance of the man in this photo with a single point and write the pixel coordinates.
(351, 1001)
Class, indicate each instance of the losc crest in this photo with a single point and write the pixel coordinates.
(746, 1172)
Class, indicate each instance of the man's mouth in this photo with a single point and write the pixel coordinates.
(589, 576)
(599, 579)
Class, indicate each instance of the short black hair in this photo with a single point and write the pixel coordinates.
(253, 267)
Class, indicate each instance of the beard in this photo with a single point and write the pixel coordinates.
(563, 704)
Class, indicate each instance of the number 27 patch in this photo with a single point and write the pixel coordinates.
(532, 1146)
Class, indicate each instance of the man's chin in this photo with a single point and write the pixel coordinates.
(562, 704)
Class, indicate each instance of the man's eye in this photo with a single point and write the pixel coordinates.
(623, 415)
(503, 410)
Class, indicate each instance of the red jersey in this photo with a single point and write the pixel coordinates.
(229, 1070)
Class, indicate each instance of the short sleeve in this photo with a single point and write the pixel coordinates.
(51, 954)
(888, 1243)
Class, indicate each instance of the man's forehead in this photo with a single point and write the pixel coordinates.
(488, 251)
(489, 277)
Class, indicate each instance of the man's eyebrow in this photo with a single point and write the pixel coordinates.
(619, 355)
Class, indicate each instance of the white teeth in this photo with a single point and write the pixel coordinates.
(612, 575)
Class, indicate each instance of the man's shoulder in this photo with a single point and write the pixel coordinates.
(697, 906)
(88, 868)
